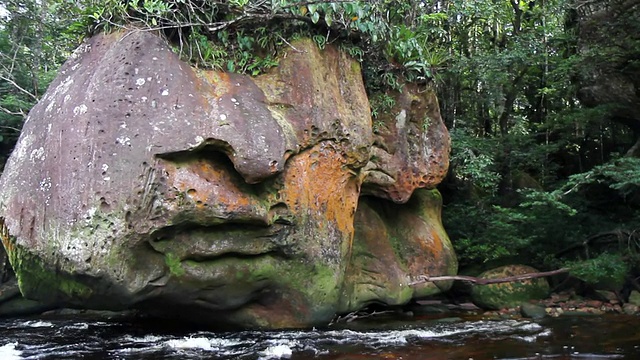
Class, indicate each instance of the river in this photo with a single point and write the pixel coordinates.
(385, 337)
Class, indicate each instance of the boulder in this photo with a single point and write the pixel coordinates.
(634, 298)
(509, 294)
(630, 309)
(532, 311)
(140, 182)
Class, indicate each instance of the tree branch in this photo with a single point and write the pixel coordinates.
(10, 128)
(5, 110)
(424, 278)
(614, 236)
(18, 87)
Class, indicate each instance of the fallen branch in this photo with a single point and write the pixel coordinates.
(357, 315)
(480, 281)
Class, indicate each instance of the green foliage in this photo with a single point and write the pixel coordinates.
(622, 174)
(35, 38)
(509, 94)
(607, 270)
(381, 103)
(355, 51)
(378, 31)
(484, 234)
(472, 161)
(546, 200)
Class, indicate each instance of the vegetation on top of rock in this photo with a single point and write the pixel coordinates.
(246, 35)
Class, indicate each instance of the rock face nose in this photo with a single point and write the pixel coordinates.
(265, 202)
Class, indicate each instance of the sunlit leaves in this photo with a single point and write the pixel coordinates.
(609, 270)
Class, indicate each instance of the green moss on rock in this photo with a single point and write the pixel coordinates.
(510, 294)
(173, 262)
(41, 282)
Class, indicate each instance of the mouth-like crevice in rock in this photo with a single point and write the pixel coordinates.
(195, 242)
(236, 256)
(205, 149)
(219, 154)
(232, 226)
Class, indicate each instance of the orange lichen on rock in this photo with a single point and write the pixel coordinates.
(318, 181)
(394, 244)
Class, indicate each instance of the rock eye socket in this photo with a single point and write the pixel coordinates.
(206, 157)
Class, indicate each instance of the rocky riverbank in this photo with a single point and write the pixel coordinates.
(570, 304)
(558, 304)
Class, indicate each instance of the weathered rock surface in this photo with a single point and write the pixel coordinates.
(140, 182)
(511, 294)
(394, 243)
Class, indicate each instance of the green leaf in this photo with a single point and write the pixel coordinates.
(315, 17)
(328, 19)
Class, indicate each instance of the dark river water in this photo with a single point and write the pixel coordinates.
(604, 337)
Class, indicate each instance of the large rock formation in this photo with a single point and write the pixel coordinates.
(267, 202)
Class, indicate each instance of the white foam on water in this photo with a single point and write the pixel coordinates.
(139, 345)
(529, 331)
(280, 351)
(9, 352)
(136, 351)
(546, 332)
(530, 326)
(144, 339)
(190, 343)
(390, 337)
(36, 324)
(530, 339)
(207, 344)
(283, 344)
(78, 326)
(221, 343)
(534, 337)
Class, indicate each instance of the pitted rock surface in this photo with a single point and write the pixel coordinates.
(141, 182)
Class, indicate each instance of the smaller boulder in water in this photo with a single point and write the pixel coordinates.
(509, 294)
(532, 311)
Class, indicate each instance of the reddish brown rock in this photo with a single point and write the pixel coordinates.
(140, 182)
(393, 245)
(411, 148)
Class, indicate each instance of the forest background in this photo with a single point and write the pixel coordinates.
(544, 169)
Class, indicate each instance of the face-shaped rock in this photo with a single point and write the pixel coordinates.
(141, 182)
